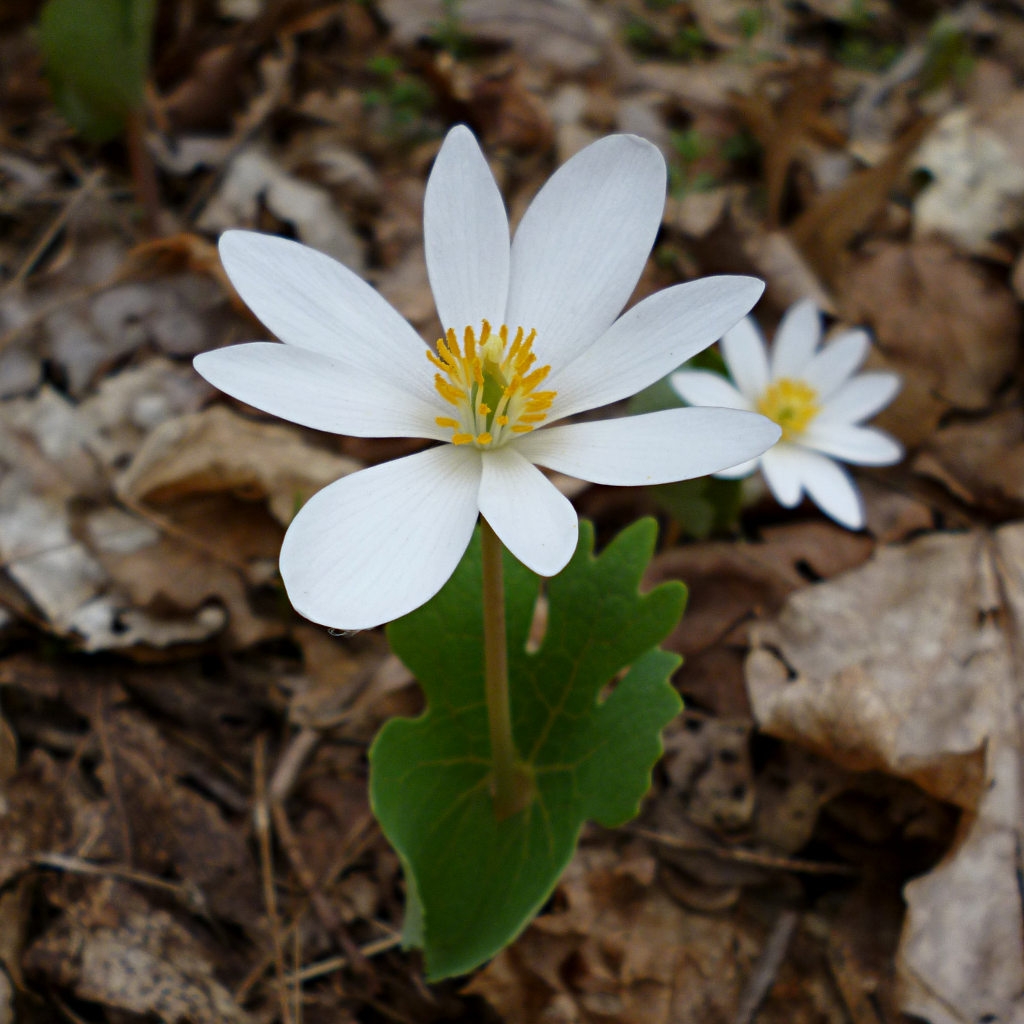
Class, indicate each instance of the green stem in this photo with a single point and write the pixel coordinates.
(512, 785)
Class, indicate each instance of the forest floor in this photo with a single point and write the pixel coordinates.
(834, 834)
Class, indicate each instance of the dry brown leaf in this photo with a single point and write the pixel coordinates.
(255, 178)
(31, 807)
(563, 34)
(783, 133)
(942, 321)
(911, 665)
(173, 829)
(825, 231)
(981, 461)
(617, 948)
(977, 187)
(730, 583)
(219, 450)
(115, 949)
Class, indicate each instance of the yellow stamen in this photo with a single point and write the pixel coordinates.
(492, 383)
(792, 404)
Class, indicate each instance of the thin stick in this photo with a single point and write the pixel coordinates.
(147, 191)
(261, 822)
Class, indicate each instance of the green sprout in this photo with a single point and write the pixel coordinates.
(448, 33)
(689, 146)
(97, 96)
(948, 59)
(859, 47)
(685, 42)
(402, 96)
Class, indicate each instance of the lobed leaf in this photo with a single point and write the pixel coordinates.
(474, 882)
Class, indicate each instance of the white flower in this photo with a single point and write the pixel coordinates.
(817, 399)
(531, 338)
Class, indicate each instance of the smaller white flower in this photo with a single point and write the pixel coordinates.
(816, 397)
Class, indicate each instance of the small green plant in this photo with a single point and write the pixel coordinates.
(859, 46)
(949, 59)
(448, 33)
(97, 59)
(741, 148)
(688, 43)
(665, 35)
(689, 146)
(750, 21)
(402, 96)
(862, 53)
(641, 36)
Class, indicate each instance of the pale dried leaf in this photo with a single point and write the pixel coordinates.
(254, 177)
(617, 948)
(218, 450)
(910, 665)
(115, 949)
(565, 34)
(977, 187)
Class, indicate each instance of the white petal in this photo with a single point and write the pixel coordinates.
(834, 492)
(534, 520)
(649, 341)
(740, 471)
(784, 468)
(836, 362)
(311, 301)
(796, 338)
(860, 397)
(745, 358)
(381, 542)
(316, 391)
(465, 230)
(655, 448)
(864, 446)
(702, 387)
(581, 246)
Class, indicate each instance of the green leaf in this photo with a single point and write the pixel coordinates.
(474, 882)
(97, 58)
(703, 506)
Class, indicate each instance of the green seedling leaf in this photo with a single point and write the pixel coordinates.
(474, 882)
(97, 57)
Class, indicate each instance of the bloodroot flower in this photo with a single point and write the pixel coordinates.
(817, 399)
(530, 337)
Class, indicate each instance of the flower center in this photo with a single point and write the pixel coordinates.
(790, 403)
(491, 383)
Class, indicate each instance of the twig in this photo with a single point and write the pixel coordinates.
(54, 228)
(261, 823)
(337, 963)
(127, 840)
(188, 894)
(766, 969)
(764, 860)
(143, 172)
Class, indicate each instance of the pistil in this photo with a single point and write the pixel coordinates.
(492, 384)
(792, 404)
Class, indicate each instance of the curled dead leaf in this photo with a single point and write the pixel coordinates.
(911, 665)
(219, 450)
(114, 948)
